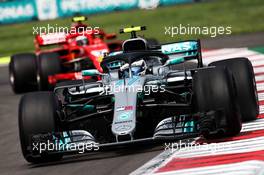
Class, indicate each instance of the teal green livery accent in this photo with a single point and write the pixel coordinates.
(140, 96)
(179, 47)
(84, 107)
(176, 61)
(188, 127)
(91, 72)
(114, 65)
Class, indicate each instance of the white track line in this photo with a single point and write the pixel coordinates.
(256, 57)
(241, 53)
(260, 86)
(259, 70)
(259, 77)
(254, 123)
(218, 52)
(261, 109)
(261, 96)
(257, 62)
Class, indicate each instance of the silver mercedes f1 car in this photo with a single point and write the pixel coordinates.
(145, 93)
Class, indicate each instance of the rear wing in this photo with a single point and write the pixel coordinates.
(51, 39)
(189, 50)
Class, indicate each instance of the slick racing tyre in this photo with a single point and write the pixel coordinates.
(48, 64)
(37, 115)
(23, 72)
(243, 73)
(214, 91)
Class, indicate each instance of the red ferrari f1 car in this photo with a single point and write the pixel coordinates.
(59, 57)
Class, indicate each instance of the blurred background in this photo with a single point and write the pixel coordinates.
(18, 17)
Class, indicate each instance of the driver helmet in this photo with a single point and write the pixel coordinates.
(81, 40)
(138, 68)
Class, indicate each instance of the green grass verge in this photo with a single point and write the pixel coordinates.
(244, 16)
(258, 49)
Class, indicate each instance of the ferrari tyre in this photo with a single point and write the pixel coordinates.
(48, 64)
(23, 72)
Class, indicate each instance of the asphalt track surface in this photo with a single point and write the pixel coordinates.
(111, 162)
